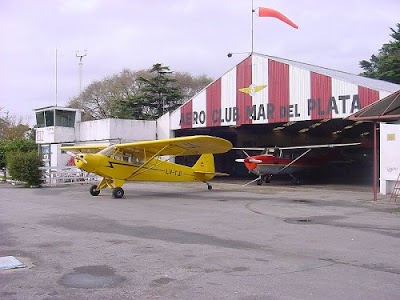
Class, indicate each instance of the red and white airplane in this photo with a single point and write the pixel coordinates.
(286, 160)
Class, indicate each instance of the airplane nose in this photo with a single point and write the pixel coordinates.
(249, 164)
(80, 160)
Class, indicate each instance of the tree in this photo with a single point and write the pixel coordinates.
(124, 95)
(191, 85)
(386, 64)
(97, 100)
(157, 95)
(10, 127)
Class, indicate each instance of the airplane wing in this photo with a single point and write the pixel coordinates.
(181, 146)
(249, 148)
(298, 147)
(320, 146)
(86, 148)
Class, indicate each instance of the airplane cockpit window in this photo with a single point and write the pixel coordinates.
(127, 157)
(271, 151)
(117, 154)
(109, 151)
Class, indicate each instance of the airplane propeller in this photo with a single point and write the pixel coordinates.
(250, 160)
(77, 156)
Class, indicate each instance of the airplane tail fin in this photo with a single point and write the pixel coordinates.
(204, 167)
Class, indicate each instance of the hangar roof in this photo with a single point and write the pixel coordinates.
(371, 83)
(264, 89)
(386, 109)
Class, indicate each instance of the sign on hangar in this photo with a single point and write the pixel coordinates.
(264, 89)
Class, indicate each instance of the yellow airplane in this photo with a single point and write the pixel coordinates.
(140, 161)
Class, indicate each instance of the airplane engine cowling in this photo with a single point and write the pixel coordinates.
(250, 165)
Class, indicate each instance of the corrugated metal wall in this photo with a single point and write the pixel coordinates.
(262, 90)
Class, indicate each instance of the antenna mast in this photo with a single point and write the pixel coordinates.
(80, 55)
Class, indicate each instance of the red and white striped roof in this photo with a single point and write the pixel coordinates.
(264, 89)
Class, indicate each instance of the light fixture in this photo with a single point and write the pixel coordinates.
(230, 54)
(289, 123)
(315, 125)
(303, 130)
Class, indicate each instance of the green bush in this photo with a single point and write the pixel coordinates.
(24, 166)
(16, 145)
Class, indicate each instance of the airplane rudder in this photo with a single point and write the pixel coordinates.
(205, 163)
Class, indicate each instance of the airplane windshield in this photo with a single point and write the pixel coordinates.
(109, 151)
(271, 151)
(117, 154)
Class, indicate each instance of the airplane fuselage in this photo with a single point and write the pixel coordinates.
(154, 170)
(267, 164)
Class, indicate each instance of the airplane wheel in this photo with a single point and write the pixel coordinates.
(118, 192)
(94, 191)
(296, 181)
(259, 182)
(209, 187)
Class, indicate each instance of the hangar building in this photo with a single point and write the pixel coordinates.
(269, 101)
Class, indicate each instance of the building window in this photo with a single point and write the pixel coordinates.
(45, 118)
(40, 119)
(62, 118)
(65, 118)
(49, 116)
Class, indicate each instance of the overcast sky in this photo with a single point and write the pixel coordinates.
(187, 35)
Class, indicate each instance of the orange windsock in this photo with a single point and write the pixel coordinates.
(269, 12)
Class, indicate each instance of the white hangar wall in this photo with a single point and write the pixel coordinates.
(263, 89)
(163, 127)
(389, 156)
(116, 129)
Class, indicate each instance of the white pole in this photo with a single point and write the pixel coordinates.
(56, 76)
(252, 26)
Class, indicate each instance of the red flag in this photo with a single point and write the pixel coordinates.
(268, 12)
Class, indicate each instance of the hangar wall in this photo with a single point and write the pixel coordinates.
(263, 89)
(163, 127)
(389, 156)
(116, 129)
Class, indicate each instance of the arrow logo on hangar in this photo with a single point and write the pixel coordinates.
(252, 89)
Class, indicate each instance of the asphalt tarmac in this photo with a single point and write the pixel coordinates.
(182, 241)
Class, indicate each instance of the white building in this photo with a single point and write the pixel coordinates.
(57, 126)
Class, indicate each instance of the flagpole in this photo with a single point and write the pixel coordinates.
(252, 26)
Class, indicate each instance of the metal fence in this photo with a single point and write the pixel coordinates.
(66, 175)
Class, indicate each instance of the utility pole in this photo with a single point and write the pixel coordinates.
(80, 55)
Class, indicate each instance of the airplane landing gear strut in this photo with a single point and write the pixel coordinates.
(209, 186)
(295, 180)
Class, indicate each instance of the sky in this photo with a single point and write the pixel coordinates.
(40, 40)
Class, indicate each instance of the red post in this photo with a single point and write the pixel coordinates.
(375, 171)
